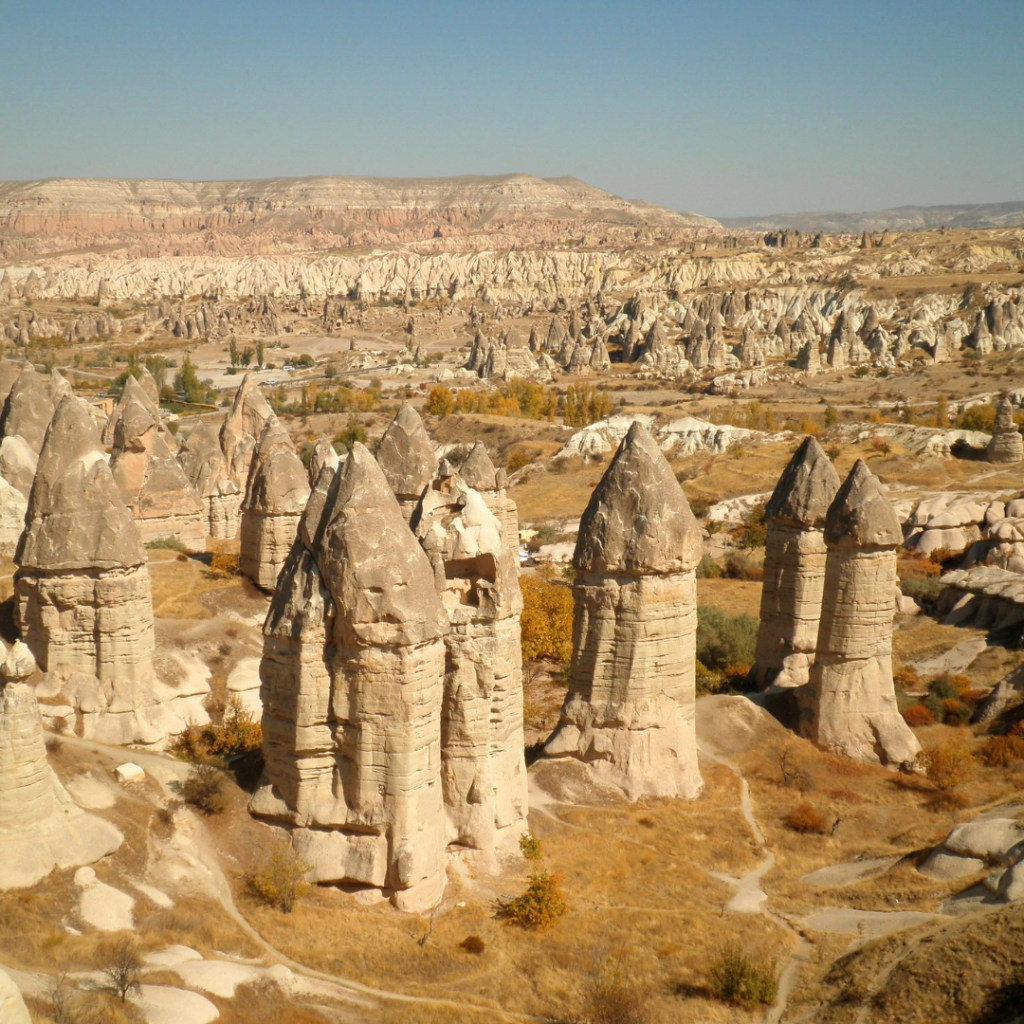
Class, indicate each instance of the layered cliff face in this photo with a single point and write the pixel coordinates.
(472, 209)
(794, 568)
(275, 498)
(482, 751)
(853, 701)
(352, 677)
(629, 714)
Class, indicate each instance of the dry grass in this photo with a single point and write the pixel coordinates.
(736, 597)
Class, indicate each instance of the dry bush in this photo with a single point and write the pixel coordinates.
(279, 880)
(948, 765)
(224, 563)
(918, 715)
(205, 789)
(530, 846)
(546, 620)
(945, 802)
(846, 796)
(473, 944)
(906, 678)
(738, 977)
(240, 733)
(540, 905)
(1001, 751)
(121, 964)
(615, 996)
(805, 819)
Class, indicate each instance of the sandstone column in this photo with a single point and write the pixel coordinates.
(41, 828)
(1006, 445)
(482, 752)
(854, 709)
(794, 568)
(629, 713)
(275, 497)
(407, 458)
(352, 677)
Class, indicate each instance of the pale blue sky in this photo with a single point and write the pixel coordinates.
(726, 108)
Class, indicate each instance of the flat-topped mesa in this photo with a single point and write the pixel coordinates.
(477, 577)
(203, 462)
(242, 427)
(406, 456)
(478, 472)
(323, 455)
(853, 701)
(153, 485)
(41, 828)
(794, 568)
(275, 497)
(82, 596)
(1006, 445)
(352, 673)
(629, 713)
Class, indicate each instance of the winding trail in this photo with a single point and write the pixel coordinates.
(750, 898)
(355, 994)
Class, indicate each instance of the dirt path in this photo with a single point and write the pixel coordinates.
(363, 999)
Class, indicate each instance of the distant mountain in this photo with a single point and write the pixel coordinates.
(506, 209)
(900, 218)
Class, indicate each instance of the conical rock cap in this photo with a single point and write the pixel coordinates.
(806, 488)
(638, 520)
(406, 455)
(861, 516)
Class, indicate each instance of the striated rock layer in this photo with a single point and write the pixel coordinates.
(629, 713)
(794, 568)
(352, 673)
(83, 601)
(854, 710)
(41, 828)
(483, 769)
(275, 498)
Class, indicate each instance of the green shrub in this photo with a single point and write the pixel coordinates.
(709, 569)
(926, 590)
(724, 640)
(167, 544)
(530, 846)
(754, 530)
(735, 976)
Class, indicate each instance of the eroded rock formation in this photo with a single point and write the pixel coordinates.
(629, 713)
(479, 473)
(1006, 445)
(83, 602)
(854, 710)
(41, 828)
(407, 458)
(152, 483)
(352, 676)
(794, 567)
(482, 766)
(202, 459)
(275, 498)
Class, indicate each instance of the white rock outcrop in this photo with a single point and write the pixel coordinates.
(41, 827)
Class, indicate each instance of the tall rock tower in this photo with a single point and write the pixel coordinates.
(352, 677)
(794, 568)
(854, 709)
(407, 458)
(482, 751)
(629, 713)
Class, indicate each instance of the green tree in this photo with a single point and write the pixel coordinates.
(186, 381)
(232, 351)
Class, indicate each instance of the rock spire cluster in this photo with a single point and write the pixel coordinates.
(794, 567)
(853, 701)
(629, 713)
